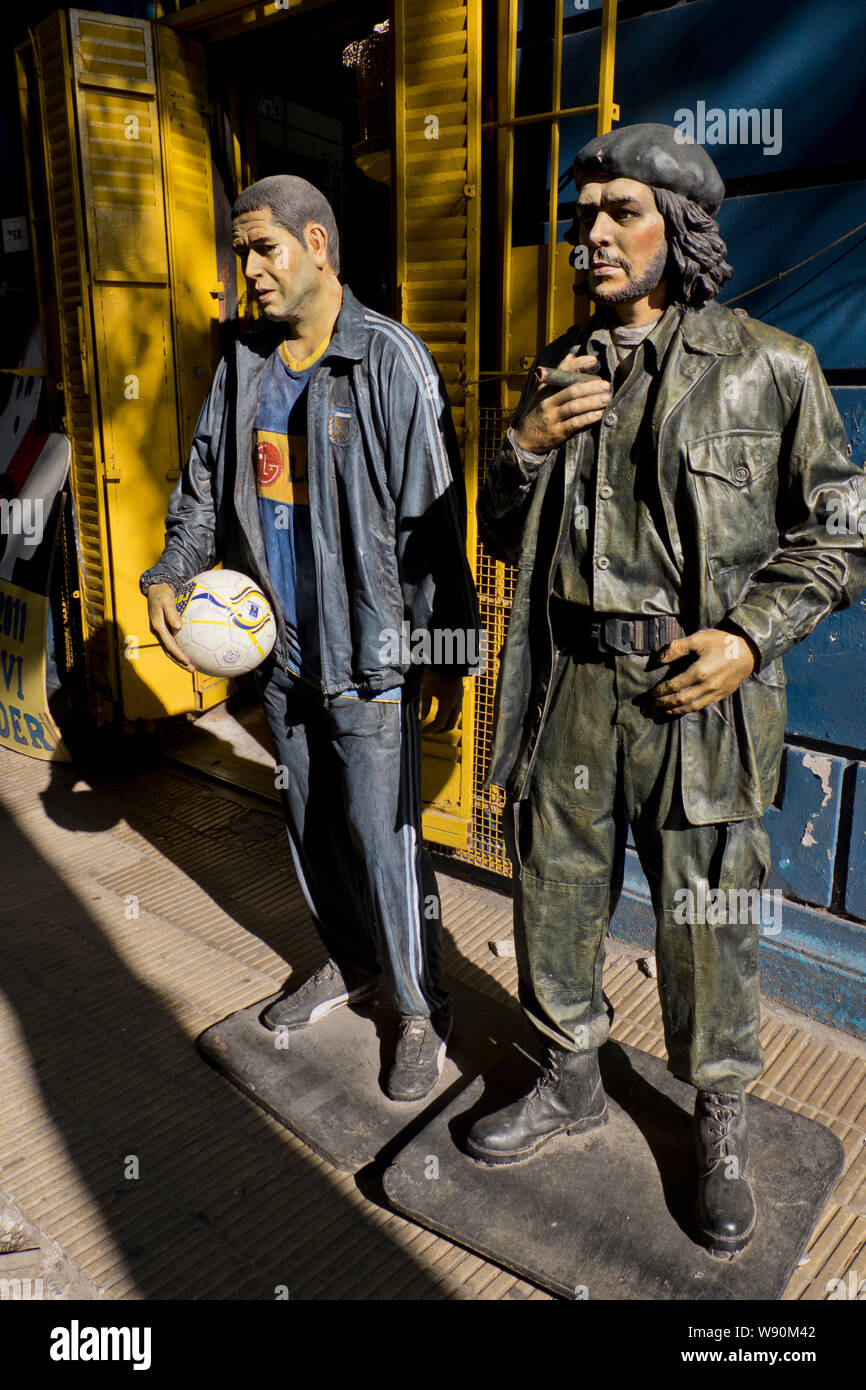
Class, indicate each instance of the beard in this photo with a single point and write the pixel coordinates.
(633, 288)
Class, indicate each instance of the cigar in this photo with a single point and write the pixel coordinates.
(558, 376)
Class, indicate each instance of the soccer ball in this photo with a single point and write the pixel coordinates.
(228, 625)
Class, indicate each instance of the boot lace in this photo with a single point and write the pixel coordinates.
(721, 1112)
(548, 1077)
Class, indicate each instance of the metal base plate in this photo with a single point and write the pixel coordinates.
(325, 1085)
(608, 1215)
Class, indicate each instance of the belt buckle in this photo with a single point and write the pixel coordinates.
(667, 629)
(616, 636)
(596, 635)
(663, 631)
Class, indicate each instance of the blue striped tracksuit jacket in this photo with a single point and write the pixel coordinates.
(388, 517)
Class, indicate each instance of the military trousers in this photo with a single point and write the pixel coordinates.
(606, 759)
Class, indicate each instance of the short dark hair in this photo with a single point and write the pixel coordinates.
(292, 203)
(696, 268)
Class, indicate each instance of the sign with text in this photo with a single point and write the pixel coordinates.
(15, 234)
(25, 724)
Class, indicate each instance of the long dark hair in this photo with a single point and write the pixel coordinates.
(696, 268)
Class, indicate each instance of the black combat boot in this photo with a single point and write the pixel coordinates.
(725, 1207)
(567, 1098)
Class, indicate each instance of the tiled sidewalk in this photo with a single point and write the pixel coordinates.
(139, 910)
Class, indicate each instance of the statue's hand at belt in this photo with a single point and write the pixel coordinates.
(722, 661)
(554, 413)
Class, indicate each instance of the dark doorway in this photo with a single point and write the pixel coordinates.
(296, 106)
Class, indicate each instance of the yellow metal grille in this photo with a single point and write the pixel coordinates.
(535, 293)
(486, 848)
(437, 76)
(437, 219)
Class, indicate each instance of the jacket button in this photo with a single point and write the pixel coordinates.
(741, 474)
(605, 492)
(610, 418)
(603, 562)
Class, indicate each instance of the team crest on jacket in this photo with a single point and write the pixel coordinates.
(342, 425)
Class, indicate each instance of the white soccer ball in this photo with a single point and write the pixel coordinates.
(228, 624)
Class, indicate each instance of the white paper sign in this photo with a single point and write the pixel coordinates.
(15, 234)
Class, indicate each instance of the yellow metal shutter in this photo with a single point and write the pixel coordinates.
(60, 153)
(437, 65)
(145, 312)
(183, 106)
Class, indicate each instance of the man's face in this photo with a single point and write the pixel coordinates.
(283, 274)
(624, 232)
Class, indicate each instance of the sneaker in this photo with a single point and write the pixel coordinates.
(420, 1055)
(320, 995)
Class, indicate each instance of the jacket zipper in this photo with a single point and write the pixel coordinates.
(317, 558)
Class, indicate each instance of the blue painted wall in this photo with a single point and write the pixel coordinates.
(786, 51)
(804, 831)
(778, 54)
(824, 301)
(782, 55)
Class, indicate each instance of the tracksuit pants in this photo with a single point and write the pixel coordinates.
(606, 758)
(352, 803)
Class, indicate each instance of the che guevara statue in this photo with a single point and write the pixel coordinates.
(670, 512)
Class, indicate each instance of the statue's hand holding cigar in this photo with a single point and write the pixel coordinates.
(566, 399)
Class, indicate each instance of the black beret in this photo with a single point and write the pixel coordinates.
(652, 154)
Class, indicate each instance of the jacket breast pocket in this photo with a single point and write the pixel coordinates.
(735, 477)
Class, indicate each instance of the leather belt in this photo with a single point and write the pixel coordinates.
(574, 625)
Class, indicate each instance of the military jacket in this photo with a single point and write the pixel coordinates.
(771, 514)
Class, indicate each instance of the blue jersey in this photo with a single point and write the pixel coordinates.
(280, 447)
(280, 454)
